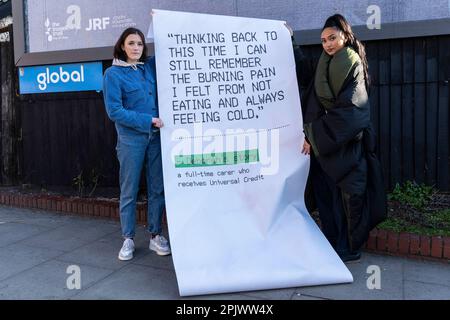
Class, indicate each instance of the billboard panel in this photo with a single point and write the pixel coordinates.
(88, 29)
(66, 24)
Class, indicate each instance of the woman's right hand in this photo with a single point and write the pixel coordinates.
(306, 148)
(157, 122)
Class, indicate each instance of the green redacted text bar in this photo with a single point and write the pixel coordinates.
(217, 159)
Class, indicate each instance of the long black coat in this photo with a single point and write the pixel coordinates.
(346, 144)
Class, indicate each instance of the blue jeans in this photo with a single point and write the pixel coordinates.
(135, 152)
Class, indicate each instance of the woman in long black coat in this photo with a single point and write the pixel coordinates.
(345, 174)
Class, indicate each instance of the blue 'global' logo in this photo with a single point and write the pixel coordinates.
(45, 78)
(61, 78)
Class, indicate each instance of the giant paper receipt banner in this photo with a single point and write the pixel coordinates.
(234, 175)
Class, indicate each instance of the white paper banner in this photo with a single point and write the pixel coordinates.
(234, 176)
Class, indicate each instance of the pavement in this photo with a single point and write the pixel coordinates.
(40, 252)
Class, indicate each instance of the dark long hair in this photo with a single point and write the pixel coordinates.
(120, 54)
(339, 22)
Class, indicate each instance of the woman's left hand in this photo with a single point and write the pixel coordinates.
(291, 32)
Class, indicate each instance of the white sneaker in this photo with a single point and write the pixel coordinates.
(126, 253)
(160, 245)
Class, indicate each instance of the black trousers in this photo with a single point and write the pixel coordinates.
(330, 203)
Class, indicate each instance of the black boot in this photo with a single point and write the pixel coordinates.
(351, 257)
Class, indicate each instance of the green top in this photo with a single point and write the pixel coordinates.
(331, 73)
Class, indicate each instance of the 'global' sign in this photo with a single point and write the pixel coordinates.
(61, 78)
(45, 78)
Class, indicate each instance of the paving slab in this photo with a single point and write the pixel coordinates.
(48, 281)
(277, 294)
(428, 272)
(426, 291)
(100, 253)
(223, 296)
(33, 217)
(134, 282)
(391, 271)
(151, 259)
(70, 236)
(299, 296)
(12, 232)
(18, 257)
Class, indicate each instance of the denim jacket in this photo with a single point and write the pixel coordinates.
(129, 92)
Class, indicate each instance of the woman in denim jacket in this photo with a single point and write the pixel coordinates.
(129, 88)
